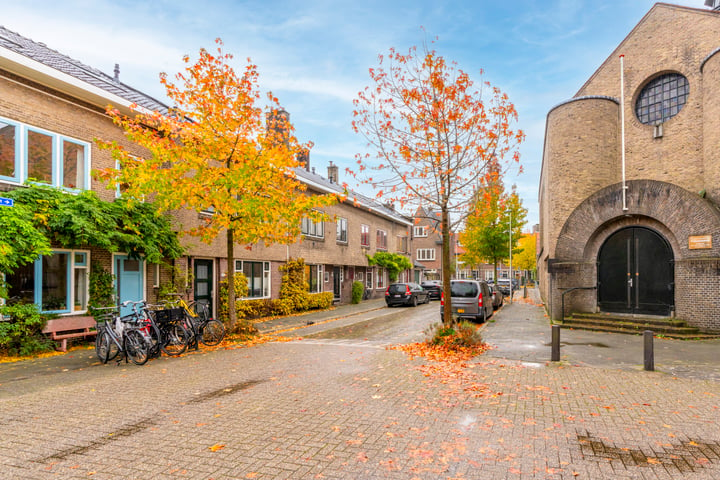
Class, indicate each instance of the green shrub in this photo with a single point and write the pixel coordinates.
(283, 306)
(101, 289)
(22, 334)
(357, 292)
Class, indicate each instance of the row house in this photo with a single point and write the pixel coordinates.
(55, 101)
(427, 245)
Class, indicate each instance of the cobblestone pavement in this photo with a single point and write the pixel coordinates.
(313, 409)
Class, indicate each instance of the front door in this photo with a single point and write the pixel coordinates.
(336, 282)
(129, 284)
(203, 274)
(636, 273)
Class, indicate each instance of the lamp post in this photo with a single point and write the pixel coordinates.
(511, 274)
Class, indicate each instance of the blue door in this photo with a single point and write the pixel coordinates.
(128, 281)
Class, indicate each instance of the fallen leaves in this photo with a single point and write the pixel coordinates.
(216, 447)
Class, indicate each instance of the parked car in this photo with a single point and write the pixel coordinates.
(406, 294)
(503, 284)
(497, 296)
(470, 299)
(433, 287)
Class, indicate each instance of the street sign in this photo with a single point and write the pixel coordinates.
(6, 202)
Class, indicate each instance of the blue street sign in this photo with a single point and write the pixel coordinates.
(6, 202)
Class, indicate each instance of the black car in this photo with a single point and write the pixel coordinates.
(433, 287)
(406, 294)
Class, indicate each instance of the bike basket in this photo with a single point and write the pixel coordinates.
(169, 315)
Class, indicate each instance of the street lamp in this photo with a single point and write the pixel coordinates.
(511, 274)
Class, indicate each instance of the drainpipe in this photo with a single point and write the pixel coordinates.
(622, 130)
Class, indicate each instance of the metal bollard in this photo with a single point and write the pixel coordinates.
(555, 355)
(649, 354)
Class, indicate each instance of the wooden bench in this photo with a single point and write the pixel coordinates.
(62, 328)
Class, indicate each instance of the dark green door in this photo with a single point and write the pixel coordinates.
(636, 273)
(203, 272)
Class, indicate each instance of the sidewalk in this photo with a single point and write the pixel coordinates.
(521, 331)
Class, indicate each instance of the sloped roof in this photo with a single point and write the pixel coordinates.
(317, 181)
(40, 53)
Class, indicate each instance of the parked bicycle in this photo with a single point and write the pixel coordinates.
(168, 330)
(202, 328)
(122, 335)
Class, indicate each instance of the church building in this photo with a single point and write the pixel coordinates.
(630, 185)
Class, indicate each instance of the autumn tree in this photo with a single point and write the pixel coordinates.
(216, 151)
(496, 220)
(432, 138)
(526, 258)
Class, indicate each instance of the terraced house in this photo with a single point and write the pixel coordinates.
(630, 185)
(52, 104)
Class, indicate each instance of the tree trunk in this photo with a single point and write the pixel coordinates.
(232, 313)
(446, 265)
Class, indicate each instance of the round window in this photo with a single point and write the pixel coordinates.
(662, 98)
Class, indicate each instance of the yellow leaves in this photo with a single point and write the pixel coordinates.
(216, 447)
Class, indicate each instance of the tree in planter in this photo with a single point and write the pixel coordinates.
(434, 138)
(394, 263)
(218, 151)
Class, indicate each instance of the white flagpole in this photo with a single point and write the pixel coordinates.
(622, 129)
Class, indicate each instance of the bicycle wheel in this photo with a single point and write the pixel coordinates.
(105, 348)
(213, 332)
(136, 347)
(175, 339)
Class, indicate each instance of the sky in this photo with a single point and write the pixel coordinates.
(314, 55)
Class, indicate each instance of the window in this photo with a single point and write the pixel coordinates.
(258, 277)
(312, 228)
(314, 277)
(380, 274)
(156, 275)
(29, 153)
(381, 238)
(369, 278)
(402, 244)
(662, 98)
(342, 230)
(420, 231)
(57, 282)
(364, 235)
(425, 254)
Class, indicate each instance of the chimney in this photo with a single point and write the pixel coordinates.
(333, 173)
(390, 206)
(277, 124)
(116, 71)
(303, 158)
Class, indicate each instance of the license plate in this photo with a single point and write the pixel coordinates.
(460, 310)
(397, 296)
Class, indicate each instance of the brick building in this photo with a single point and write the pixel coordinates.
(427, 245)
(49, 98)
(629, 209)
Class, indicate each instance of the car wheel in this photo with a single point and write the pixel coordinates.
(483, 317)
(414, 302)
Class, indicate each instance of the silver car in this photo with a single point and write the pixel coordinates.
(470, 299)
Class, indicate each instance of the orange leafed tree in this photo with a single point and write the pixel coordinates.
(433, 138)
(217, 151)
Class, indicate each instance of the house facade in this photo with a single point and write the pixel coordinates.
(427, 246)
(53, 107)
(630, 182)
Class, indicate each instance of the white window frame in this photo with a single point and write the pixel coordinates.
(319, 278)
(56, 162)
(365, 234)
(72, 268)
(380, 282)
(342, 230)
(427, 254)
(156, 275)
(369, 278)
(311, 228)
(420, 231)
(381, 239)
(266, 278)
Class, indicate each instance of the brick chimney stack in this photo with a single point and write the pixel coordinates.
(333, 173)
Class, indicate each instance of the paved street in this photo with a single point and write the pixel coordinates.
(337, 404)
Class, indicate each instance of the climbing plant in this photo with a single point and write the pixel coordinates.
(394, 263)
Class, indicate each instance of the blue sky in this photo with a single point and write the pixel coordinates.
(314, 55)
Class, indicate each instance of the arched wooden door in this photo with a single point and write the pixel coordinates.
(636, 273)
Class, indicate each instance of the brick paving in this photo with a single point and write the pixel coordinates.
(307, 409)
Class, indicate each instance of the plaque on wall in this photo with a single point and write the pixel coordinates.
(699, 242)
